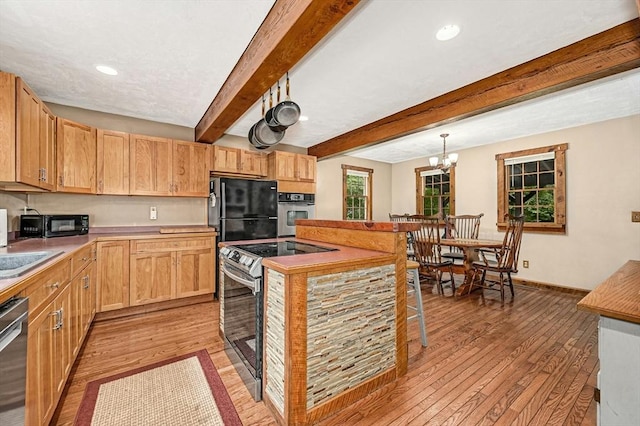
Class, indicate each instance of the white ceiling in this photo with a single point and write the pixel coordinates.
(174, 56)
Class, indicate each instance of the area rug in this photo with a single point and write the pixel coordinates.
(185, 390)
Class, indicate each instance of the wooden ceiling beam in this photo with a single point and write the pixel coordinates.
(290, 30)
(604, 54)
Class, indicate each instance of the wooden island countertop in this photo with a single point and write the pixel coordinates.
(618, 296)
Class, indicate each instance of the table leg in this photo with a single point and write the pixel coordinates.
(470, 256)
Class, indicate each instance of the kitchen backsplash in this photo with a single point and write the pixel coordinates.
(108, 210)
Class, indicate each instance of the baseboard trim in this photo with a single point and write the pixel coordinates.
(152, 307)
(554, 287)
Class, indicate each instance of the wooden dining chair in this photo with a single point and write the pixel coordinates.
(408, 218)
(506, 259)
(426, 243)
(463, 226)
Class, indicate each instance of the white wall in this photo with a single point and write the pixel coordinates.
(600, 197)
(329, 187)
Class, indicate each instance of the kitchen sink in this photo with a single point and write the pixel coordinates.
(15, 264)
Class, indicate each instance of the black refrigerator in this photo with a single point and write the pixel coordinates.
(242, 209)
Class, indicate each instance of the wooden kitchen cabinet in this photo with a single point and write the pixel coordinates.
(27, 138)
(112, 275)
(112, 158)
(49, 358)
(294, 172)
(171, 268)
(225, 159)
(83, 296)
(190, 171)
(229, 161)
(150, 163)
(195, 272)
(152, 277)
(76, 157)
(291, 166)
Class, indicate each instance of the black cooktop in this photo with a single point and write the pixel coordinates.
(282, 248)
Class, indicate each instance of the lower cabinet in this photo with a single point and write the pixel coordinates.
(139, 272)
(49, 358)
(166, 269)
(56, 333)
(113, 275)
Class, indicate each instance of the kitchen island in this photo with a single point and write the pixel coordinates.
(336, 322)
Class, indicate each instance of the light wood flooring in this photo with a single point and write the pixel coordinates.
(532, 361)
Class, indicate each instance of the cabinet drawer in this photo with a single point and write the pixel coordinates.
(45, 284)
(80, 259)
(173, 244)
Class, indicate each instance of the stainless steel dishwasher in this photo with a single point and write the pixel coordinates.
(13, 360)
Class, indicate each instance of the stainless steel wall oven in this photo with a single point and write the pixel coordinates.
(292, 206)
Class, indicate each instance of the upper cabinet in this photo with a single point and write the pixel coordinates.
(76, 157)
(160, 166)
(190, 170)
(113, 162)
(294, 172)
(27, 137)
(238, 162)
(150, 162)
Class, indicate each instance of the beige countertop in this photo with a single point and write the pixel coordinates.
(618, 296)
(68, 245)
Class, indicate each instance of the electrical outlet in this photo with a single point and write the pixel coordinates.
(153, 213)
(635, 216)
(525, 263)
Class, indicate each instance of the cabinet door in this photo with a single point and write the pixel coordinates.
(195, 272)
(150, 165)
(62, 345)
(226, 159)
(89, 297)
(76, 157)
(152, 277)
(306, 168)
(283, 165)
(74, 318)
(253, 163)
(28, 106)
(113, 275)
(113, 162)
(47, 148)
(41, 385)
(190, 169)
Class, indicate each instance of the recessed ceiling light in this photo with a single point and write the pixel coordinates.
(447, 32)
(303, 118)
(106, 70)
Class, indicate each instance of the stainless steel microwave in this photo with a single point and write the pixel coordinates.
(53, 225)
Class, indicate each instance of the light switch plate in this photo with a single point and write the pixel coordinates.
(635, 216)
(153, 213)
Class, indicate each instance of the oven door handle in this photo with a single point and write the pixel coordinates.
(254, 285)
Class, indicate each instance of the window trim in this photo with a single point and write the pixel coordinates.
(345, 172)
(419, 189)
(560, 199)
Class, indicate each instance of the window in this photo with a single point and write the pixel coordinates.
(532, 183)
(435, 191)
(356, 190)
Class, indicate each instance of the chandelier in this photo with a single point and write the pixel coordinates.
(445, 161)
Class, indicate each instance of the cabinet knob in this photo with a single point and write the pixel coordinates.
(54, 285)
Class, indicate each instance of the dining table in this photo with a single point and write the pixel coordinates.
(470, 249)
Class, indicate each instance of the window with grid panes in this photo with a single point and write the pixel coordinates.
(532, 184)
(436, 191)
(356, 186)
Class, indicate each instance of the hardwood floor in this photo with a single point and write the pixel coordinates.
(532, 361)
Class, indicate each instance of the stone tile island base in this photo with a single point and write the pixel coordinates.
(335, 330)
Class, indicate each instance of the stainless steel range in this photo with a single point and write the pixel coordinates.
(241, 303)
